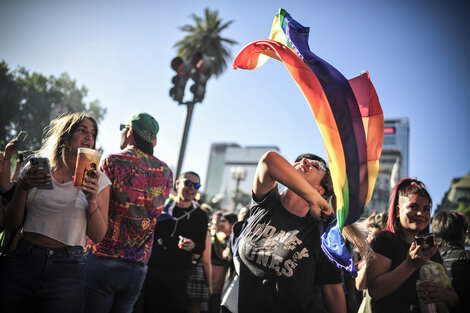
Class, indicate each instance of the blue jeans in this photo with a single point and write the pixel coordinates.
(112, 285)
(41, 279)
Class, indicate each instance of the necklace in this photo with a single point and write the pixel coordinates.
(61, 177)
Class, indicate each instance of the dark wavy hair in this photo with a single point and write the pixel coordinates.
(404, 188)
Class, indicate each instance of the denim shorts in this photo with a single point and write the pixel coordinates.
(37, 278)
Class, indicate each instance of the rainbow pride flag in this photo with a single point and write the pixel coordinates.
(348, 114)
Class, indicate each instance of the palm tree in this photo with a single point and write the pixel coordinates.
(205, 37)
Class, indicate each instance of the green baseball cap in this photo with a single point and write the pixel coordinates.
(144, 125)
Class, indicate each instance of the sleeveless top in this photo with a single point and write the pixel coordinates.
(60, 213)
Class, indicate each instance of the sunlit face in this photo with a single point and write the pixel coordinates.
(84, 136)
(312, 170)
(414, 212)
(184, 192)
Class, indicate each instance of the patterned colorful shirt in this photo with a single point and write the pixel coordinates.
(140, 185)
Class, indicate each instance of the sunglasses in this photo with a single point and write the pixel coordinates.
(122, 126)
(188, 183)
(321, 165)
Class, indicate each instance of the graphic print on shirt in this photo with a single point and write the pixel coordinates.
(277, 250)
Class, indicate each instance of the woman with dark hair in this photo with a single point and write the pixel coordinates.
(219, 257)
(46, 272)
(392, 275)
(450, 229)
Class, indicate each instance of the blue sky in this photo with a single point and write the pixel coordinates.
(415, 51)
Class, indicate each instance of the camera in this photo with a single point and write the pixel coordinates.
(426, 240)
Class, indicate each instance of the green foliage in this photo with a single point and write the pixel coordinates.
(464, 208)
(205, 37)
(30, 101)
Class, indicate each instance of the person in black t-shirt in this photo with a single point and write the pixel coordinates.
(176, 239)
(392, 275)
(282, 266)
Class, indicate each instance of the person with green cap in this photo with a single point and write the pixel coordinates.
(141, 183)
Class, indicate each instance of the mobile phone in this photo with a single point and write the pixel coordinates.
(22, 136)
(37, 162)
(427, 240)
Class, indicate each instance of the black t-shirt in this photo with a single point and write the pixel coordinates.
(166, 256)
(391, 246)
(282, 265)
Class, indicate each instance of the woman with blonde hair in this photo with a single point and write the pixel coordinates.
(46, 272)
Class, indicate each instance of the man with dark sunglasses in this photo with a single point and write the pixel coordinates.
(181, 231)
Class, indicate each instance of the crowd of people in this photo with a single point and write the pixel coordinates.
(126, 241)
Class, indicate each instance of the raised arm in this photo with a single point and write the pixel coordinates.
(273, 168)
(5, 182)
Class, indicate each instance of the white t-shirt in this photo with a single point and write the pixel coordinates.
(60, 213)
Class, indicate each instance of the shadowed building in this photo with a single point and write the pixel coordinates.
(393, 162)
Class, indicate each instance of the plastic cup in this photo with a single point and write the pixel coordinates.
(425, 307)
(87, 161)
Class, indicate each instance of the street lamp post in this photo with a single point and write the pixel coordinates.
(238, 174)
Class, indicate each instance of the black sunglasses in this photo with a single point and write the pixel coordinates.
(188, 183)
(122, 126)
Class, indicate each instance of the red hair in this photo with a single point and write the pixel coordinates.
(404, 188)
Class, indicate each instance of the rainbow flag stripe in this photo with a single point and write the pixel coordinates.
(348, 113)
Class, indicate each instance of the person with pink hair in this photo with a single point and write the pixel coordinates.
(392, 275)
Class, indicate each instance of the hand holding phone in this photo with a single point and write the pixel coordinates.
(42, 166)
(426, 241)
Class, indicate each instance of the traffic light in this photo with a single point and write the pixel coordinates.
(183, 71)
(203, 66)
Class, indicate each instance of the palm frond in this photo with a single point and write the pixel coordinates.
(204, 36)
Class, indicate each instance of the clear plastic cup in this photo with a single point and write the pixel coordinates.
(87, 162)
(423, 306)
